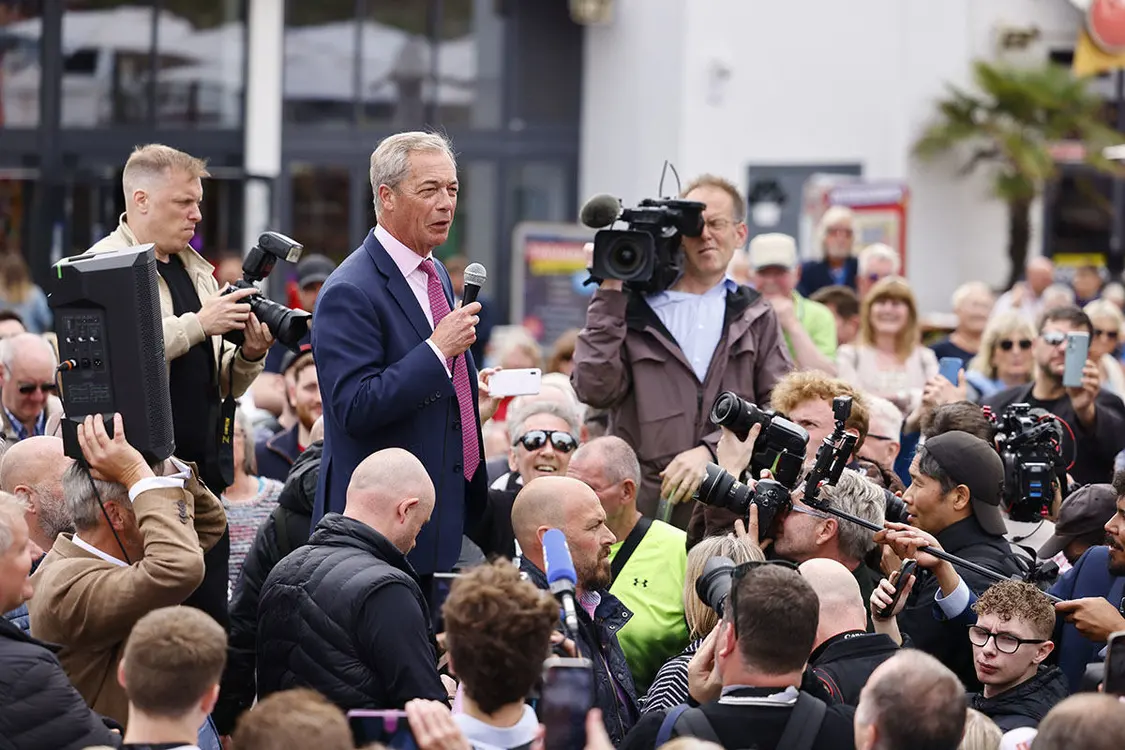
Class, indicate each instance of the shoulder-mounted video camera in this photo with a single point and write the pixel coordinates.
(1029, 441)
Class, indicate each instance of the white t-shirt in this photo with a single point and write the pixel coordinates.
(487, 737)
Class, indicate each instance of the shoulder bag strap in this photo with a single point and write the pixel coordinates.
(693, 723)
(804, 723)
(629, 547)
(670, 718)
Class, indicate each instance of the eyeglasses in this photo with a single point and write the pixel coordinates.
(561, 441)
(884, 438)
(719, 225)
(808, 511)
(1111, 335)
(847, 232)
(1053, 338)
(1006, 643)
(27, 389)
(1008, 344)
(740, 571)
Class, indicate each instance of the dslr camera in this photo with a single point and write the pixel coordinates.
(646, 255)
(287, 326)
(780, 447)
(714, 583)
(1030, 444)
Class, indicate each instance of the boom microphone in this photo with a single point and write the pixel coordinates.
(561, 577)
(475, 276)
(600, 211)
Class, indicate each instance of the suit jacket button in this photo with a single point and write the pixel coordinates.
(456, 426)
(456, 468)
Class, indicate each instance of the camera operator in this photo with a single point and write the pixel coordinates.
(658, 362)
(954, 495)
(138, 545)
(572, 507)
(844, 654)
(1095, 417)
(748, 671)
(805, 398)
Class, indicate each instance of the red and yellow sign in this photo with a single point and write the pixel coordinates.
(1101, 44)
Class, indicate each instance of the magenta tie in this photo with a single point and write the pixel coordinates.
(439, 307)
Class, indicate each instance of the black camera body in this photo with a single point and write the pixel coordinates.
(646, 255)
(1030, 444)
(287, 326)
(720, 489)
(781, 444)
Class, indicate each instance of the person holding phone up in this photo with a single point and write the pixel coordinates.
(1095, 418)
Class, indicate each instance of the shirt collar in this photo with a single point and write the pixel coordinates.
(406, 259)
(727, 286)
(97, 552)
(21, 430)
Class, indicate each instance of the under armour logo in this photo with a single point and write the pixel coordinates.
(639, 582)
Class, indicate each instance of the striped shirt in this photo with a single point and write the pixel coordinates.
(670, 687)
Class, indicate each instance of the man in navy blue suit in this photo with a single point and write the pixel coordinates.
(392, 350)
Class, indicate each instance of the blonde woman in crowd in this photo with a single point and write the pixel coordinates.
(1004, 359)
(1108, 323)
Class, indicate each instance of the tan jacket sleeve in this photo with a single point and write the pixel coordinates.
(210, 516)
(601, 376)
(114, 598)
(245, 371)
(181, 333)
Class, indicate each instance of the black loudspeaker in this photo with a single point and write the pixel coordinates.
(108, 324)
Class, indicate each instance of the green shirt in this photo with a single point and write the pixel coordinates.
(651, 585)
(819, 322)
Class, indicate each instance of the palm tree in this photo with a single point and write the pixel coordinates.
(1010, 126)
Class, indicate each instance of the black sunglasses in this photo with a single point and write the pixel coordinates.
(1007, 344)
(740, 571)
(1006, 643)
(561, 441)
(27, 389)
(1111, 335)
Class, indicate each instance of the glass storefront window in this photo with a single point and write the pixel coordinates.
(20, 30)
(320, 62)
(321, 209)
(111, 75)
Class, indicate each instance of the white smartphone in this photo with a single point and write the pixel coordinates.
(523, 382)
(1077, 349)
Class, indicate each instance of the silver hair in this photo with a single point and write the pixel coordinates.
(617, 459)
(854, 494)
(888, 415)
(390, 161)
(11, 508)
(82, 492)
(879, 251)
(11, 346)
(531, 408)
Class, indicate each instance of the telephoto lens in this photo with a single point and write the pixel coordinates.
(713, 585)
(720, 489)
(737, 414)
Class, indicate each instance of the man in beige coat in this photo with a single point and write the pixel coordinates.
(138, 546)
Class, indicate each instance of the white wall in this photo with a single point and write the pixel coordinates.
(815, 81)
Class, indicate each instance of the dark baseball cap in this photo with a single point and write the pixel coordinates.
(291, 356)
(970, 461)
(1087, 510)
(314, 269)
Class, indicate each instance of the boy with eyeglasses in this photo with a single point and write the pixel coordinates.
(1011, 639)
(1095, 416)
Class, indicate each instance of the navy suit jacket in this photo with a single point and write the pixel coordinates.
(815, 275)
(383, 387)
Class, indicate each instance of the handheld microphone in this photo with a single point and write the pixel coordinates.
(475, 276)
(600, 211)
(561, 577)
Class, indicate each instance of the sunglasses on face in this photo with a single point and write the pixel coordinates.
(740, 571)
(1111, 335)
(26, 389)
(561, 441)
(1053, 338)
(1008, 344)
(1006, 643)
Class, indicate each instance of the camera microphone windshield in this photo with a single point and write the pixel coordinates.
(600, 211)
(561, 576)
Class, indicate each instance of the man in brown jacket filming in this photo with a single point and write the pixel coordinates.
(657, 362)
(138, 546)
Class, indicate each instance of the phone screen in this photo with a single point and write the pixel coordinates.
(388, 728)
(566, 698)
(1115, 664)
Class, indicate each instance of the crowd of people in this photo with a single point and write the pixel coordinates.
(369, 528)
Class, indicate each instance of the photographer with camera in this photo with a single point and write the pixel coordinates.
(658, 360)
(1095, 418)
(746, 676)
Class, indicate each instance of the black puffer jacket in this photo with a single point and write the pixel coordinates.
(39, 708)
(344, 615)
(1026, 704)
(843, 663)
(286, 529)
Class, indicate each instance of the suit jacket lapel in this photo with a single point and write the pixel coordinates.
(397, 286)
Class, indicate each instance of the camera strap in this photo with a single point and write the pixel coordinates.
(629, 547)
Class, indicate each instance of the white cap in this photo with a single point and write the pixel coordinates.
(773, 249)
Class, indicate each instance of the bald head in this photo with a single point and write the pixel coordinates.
(316, 432)
(609, 456)
(911, 700)
(1040, 274)
(543, 502)
(841, 602)
(34, 461)
(391, 492)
